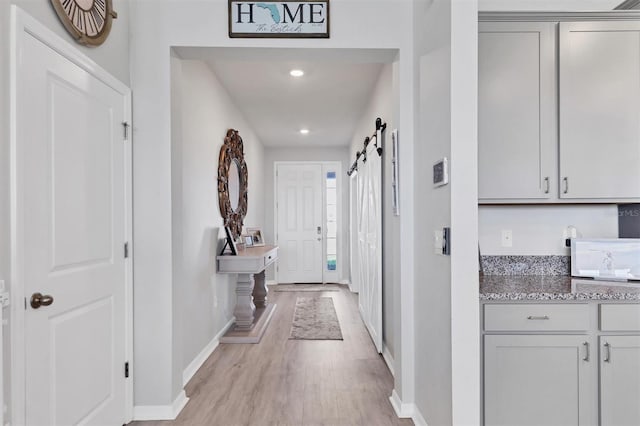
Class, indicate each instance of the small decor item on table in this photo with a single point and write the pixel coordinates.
(229, 242)
(248, 240)
(257, 236)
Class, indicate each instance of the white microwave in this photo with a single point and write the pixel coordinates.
(608, 259)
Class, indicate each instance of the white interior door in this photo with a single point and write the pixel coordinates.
(299, 219)
(71, 219)
(370, 243)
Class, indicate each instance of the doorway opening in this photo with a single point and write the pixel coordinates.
(318, 121)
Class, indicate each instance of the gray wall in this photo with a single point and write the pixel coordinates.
(541, 230)
(446, 287)
(340, 154)
(113, 55)
(202, 114)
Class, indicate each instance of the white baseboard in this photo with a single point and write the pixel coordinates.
(417, 418)
(406, 411)
(402, 410)
(271, 282)
(197, 362)
(388, 359)
(345, 282)
(161, 412)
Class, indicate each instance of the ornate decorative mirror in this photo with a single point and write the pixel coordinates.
(232, 182)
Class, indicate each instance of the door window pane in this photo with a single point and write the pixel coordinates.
(332, 217)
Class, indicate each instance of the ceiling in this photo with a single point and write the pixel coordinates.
(329, 99)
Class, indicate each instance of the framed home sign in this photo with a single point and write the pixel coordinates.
(279, 19)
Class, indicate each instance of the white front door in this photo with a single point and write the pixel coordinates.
(299, 219)
(71, 216)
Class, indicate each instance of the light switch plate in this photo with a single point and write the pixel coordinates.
(437, 241)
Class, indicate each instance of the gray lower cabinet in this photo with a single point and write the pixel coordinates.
(538, 380)
(619, 380)
(542, 365)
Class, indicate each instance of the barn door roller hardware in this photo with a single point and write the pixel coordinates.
(380, 127)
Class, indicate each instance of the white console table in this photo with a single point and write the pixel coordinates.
(252, 311)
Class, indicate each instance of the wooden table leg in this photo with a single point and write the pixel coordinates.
(245, 309)
(260, 290)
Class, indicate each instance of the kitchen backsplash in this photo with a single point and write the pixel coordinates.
(525, 265)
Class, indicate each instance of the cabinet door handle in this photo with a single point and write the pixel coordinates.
(546, 185)
(607, 352)
(533, 317)
(565, 180)
(586, 354)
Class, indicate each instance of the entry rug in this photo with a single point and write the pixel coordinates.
(315, 319)
(306, 287)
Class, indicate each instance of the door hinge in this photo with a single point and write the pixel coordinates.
(125, 125)
(126, 370)
(126, 250)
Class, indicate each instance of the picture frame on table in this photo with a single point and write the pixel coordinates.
(248, 240)
(229, 242)
(257, 236)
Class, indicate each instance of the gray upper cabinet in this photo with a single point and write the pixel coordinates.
(599, 122)
(619, 380)
(516, 111)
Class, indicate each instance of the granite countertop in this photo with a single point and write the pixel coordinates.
(554, 287)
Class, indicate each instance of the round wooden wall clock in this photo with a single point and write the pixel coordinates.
(88, 21)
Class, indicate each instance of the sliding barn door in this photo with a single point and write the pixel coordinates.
(369, 215)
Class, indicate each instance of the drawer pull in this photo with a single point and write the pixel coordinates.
(586, 348)
(533, 317)
(607, 353)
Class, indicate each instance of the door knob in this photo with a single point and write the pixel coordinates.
(37, 300)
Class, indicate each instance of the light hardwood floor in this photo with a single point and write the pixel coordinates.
(294, 382)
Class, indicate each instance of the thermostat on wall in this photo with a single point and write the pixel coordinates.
(440, 172)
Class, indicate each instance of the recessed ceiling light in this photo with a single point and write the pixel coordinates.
(304, 131)
(296, 73)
